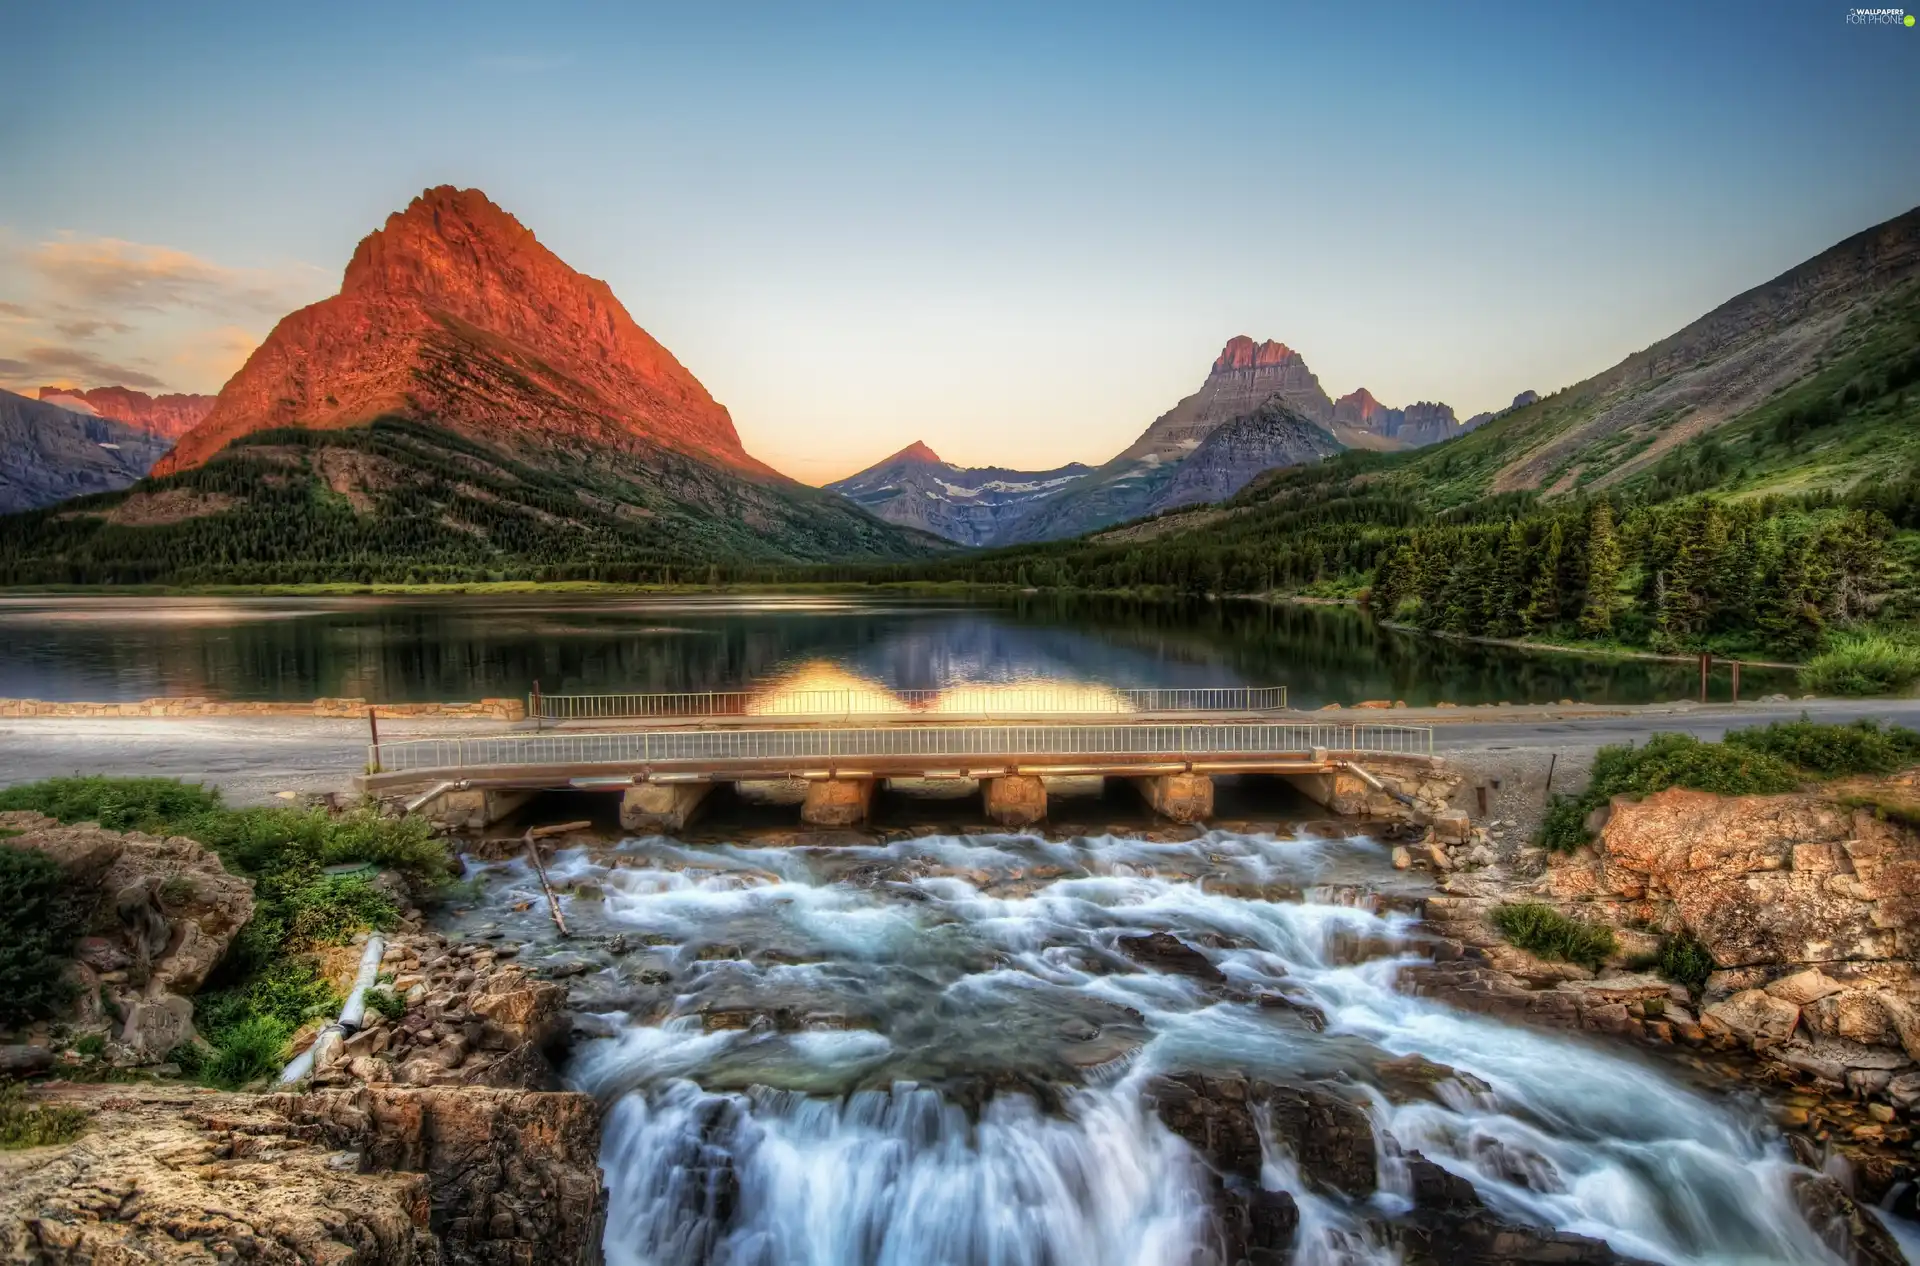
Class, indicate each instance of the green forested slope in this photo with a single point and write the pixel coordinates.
(400, 500)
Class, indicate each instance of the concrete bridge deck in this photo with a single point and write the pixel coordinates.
(663, 775)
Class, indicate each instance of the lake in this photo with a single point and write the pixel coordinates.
(398, 649)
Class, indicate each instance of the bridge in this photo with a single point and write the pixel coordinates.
(669, 755)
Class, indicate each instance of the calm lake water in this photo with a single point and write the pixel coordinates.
(467, 647)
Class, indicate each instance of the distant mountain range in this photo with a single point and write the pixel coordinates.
(1260, 407)
(468, 405)
(971, 505)
(49, 454)
(167, 416)
(1806, 386)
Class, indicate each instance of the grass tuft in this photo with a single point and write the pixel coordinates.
(24, 1124)
(1685, 960)
(1544, 931)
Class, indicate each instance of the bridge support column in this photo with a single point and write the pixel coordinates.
(837, 801)
(1178, 797)
(662, 808)
(1015, 799)
(476, 809)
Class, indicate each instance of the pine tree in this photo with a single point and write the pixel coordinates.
(1508, 594)
(1603, 572)
(1543, 603)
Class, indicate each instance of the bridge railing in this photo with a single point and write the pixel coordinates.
(982, 701)
(647, 747)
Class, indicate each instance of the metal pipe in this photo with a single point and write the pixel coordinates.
(301, 1066)
(428, 797)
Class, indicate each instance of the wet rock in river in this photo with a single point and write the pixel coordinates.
(1220, 1117)
(1163, 951)
(1849, 1228)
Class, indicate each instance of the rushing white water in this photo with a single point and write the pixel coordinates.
(899, 1014)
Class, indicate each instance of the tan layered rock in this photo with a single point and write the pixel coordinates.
(165, 1174)
(512, 1176)
(375, 1177)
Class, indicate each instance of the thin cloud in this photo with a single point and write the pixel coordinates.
(88, 327)
(51, 364)
(106, 272)
(14, 311)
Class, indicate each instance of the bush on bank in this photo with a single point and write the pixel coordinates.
(1766, 760)
(1864, 663)
(265, 988)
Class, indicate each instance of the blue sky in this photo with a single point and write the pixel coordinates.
(1018, 233)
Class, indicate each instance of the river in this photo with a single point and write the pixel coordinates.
(943, 1050)
(400, 649)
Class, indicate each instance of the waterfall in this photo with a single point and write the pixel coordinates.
(936, 1054)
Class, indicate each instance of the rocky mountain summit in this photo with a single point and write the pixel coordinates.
(970, 505)
(1236, 451)
(1246, 378)
(166, 416)
(49, 453)
(454, 312)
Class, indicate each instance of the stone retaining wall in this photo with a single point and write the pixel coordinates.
(201, 706)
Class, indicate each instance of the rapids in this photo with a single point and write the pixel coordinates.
(932, 1053)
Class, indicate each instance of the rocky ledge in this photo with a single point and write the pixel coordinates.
(378, 1176)
(1806, 907)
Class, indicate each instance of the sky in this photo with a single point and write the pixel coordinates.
(1018, 233)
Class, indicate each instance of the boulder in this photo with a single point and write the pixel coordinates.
(154, 1026)
(1804, 987)
(1849, 1228)
(1753, 1015)
(163, 913)
(1780, 881)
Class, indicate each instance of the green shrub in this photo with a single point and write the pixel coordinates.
(1866, 663)
(91, 1046)
(43, 916)
(1685, 960)
(387, 1003)
(36, 1125)
(1542, 930)
(250, 1051)
(1565, 826)
(118, 804)
(289, 991)
(1666, 760)
(1833, 751)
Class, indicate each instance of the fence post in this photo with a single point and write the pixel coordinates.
(1706, 666)
(536, 705)
(373, 729)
